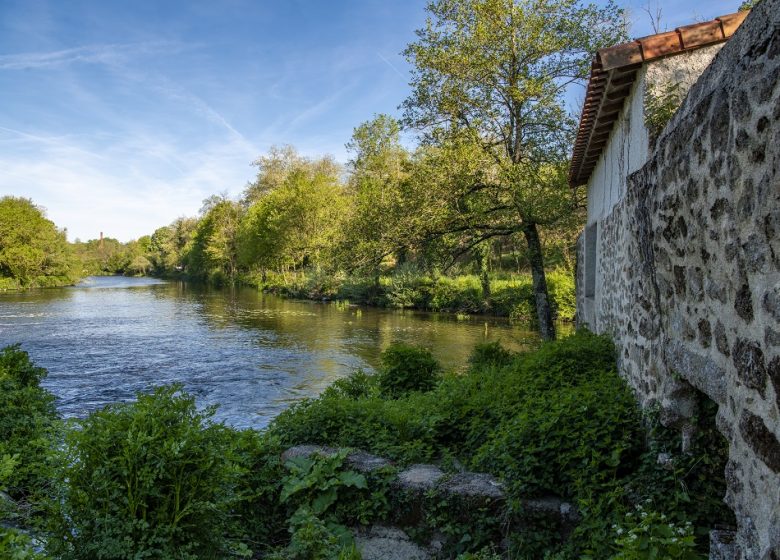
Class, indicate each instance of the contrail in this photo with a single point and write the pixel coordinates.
(397, 71)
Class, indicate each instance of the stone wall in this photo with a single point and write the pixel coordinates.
(689, 262)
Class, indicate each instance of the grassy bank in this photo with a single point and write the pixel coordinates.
(510, 295)
(158, 478)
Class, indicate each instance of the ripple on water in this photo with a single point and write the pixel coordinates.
(252, 354)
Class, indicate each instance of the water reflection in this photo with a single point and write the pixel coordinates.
(249, 352)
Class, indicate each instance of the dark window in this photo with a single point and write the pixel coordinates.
(591, 237)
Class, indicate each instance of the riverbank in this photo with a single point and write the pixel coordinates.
(510, 295)
(8, 284)
(553, 424)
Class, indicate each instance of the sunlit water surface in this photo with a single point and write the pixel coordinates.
(252, 354)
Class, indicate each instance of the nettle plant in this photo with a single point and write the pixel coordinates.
(649, 534)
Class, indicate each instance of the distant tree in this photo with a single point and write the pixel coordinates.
(297, 221)
(278, 164)
(489, 82)
(374, 228)
(33, 252)
(213, 254)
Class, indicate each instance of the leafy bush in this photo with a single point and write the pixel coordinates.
(356, 385)
(152, 478)
(28, 427)
(407, 368)
(489, 354)
(652, 535)
(14, 544)
(409, 288)
(557, 420)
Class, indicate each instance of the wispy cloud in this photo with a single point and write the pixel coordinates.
(91, 54)
(390, 64)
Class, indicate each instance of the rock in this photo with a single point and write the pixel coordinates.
(723, 545)
(551, 506)
(473, 485)
(387, 543)
(419, 477)
(357, 460)
(306, 451)
(365, 462)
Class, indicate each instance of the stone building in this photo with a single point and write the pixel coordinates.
(680, 258)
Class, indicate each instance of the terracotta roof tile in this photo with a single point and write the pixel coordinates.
(701, 34)
(613, 72)
(659, 45)
(621, 55)
(731, 22)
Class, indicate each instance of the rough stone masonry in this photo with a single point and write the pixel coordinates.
(691, 260)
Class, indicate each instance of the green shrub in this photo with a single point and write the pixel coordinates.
(259, 476)
(14, 544)
(150, 479)
(28, 427)
(407, 368)
(557, 420)
(560, 284)
(490, 354)
(356, 385)
(649, 534)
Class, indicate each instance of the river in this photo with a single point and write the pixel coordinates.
(252, 354)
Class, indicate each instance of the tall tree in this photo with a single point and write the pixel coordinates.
(213, 254)
(489, 81)
(295, 219)
(378, 166)
(33, 251)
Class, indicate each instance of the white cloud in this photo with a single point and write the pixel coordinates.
(88, 193)
(100, 54)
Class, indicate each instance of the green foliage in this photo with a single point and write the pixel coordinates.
(28, 427)
(484, 554)
(407, 368)
(356, 385)
(314, 482)
(376, 224)
(687, 487)
(294, 217)
(558, 420)
(408, 287)
(152, 478)
(169, 246)
(489, 355)
(651, 535)
(14, 544)
(661, 103)
(748, 5)
(488, 90)
(33, 252)
(311, 539)
(324, 497)
(213, 254)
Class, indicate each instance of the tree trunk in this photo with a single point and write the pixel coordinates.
(536, 259)
(482, 253)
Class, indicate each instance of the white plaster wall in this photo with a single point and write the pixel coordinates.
(626, 151)
(628, 148)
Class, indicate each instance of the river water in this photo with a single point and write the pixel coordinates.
(253, 354)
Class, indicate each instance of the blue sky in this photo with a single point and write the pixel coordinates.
(119, 116)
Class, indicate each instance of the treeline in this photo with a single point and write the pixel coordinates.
(374, 231)
(487, 102)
